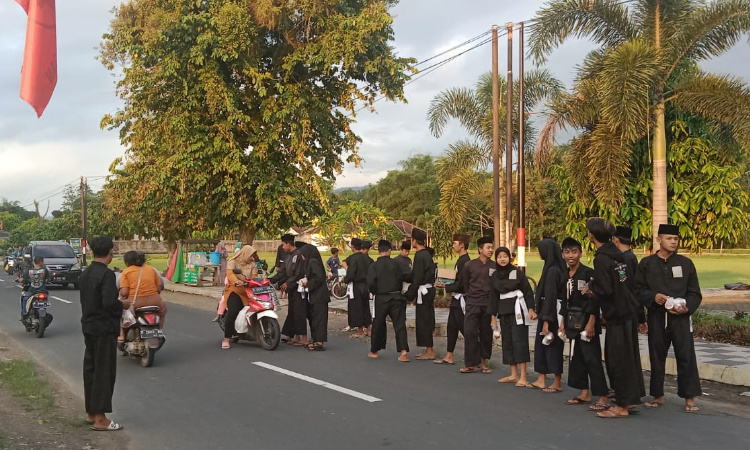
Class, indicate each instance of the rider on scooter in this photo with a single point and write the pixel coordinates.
(34, 282)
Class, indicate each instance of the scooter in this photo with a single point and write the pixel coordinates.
(10, 264)
(262, 320)
(37, 318)
(143, 338)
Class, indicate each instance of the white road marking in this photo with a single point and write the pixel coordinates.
(325, 384)
(61, 299)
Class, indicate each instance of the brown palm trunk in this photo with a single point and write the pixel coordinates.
(659, 155)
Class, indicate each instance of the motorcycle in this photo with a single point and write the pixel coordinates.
(37, 318)
(143, 338)
(10, 264)
(262, 320)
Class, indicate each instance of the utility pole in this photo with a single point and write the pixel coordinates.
(521, 232)
(509, 140)
(84, 243)
(495, 140)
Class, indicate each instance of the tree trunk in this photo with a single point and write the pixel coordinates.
(659, 159)
(247, 234)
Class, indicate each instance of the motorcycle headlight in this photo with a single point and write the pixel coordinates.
(76, 266)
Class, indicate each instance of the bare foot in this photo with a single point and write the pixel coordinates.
(373, 355)
(508, 380)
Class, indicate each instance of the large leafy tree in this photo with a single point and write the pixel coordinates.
(237, 113)
(462, 170)
(355, 219)
(624, 87)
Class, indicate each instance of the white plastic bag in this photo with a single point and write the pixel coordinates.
(240, 324)
(128, 319)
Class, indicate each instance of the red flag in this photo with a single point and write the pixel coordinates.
(39, 72)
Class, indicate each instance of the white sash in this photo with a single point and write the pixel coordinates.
(405, 287)
(522, 312)
(423, 289)
(460, 297)
(350, 290)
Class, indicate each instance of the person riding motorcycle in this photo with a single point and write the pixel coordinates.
(235, 290)
(34, 282)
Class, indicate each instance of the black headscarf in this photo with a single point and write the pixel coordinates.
(551, 253)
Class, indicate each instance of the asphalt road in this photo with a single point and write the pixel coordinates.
(198, 396)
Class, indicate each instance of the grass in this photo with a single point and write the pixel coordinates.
(714, 271)
(21, 379)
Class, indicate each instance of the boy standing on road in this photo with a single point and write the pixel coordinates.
(423, 291)
(667, 285)
(477, 277)
(458, 302)
(101, 311)
(384, 278)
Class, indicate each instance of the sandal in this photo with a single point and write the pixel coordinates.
(486, 370)
(525, 384)
(468, 369)
(610, 414)
(424, 358)
(224, 345)
(310, 347)
(443, 361)
(597, 407)
(692, 408)
(551, 390)
(653, 405)
(577, 401)
(508, 380)
(113, 426)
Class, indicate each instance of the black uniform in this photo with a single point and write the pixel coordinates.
(423, 274)
(359, 307)
(674, 277)
(549, 294)
(515, 336)
(476, 276)
(384, 278)
(613, 290)
(585, 357)
(290, 273)
(317, 296)
(100, 321)
(456, 314)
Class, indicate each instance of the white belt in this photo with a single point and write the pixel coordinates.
(350, 290)
(423, 289)
(461, 298)
(522, 312)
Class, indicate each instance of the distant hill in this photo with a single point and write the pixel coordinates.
(350, 188)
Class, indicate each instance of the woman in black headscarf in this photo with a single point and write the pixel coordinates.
(318, 296)
(548, 353)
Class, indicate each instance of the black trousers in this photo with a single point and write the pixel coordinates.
(234, 306)
(288, 328)
(359, 307)
(456, 319)
(99, 372)
(624, 362)
(637, 353)
(395, 308)
(585, 365)
(515, 339)
(677, 334)
(299, 313)
(477, 334)
(548, 358)
(425, 319)
(317, 314)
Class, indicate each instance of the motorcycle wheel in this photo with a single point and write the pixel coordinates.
(40, 330)
(272, 337)
(338, 290)
(147, 359)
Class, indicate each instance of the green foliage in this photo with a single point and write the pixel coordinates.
(235, 111)
(409, 193)
(9, 220)
(356, 219)
(33, 230)
(16, 209)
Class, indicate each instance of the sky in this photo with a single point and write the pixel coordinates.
(38, 157)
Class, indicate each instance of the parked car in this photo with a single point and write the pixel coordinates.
(60, 259)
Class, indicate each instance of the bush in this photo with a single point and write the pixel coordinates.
(724, 329)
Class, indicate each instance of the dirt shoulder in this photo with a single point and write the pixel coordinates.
(60, 427)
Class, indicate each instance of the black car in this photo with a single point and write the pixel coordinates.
(60, 259)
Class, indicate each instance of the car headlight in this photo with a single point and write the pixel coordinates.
(76, 266)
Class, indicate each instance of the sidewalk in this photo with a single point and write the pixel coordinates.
(724, 363)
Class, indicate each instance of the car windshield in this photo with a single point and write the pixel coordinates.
(54, 251)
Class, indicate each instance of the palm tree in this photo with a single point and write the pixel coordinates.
(624, 86)
(462, 170)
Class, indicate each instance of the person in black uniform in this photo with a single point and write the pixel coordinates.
(667, 284)
(477, 279)
(359, 297)
(458, 303)
(366, 246)
(317, 296)
(101, 311)
(613, 290)
(404, 262)
(511, 308)
(384, 278)
(423, 291)
(580, 315)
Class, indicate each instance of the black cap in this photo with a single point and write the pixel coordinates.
(406, 245)
(384, 246)
(419, 235)
(669, 229)
(569, 242)
(288, 238)
(484, 240)
(624, 232)
(366, 244)
(300, 244)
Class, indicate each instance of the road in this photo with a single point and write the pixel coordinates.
(198, 396)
